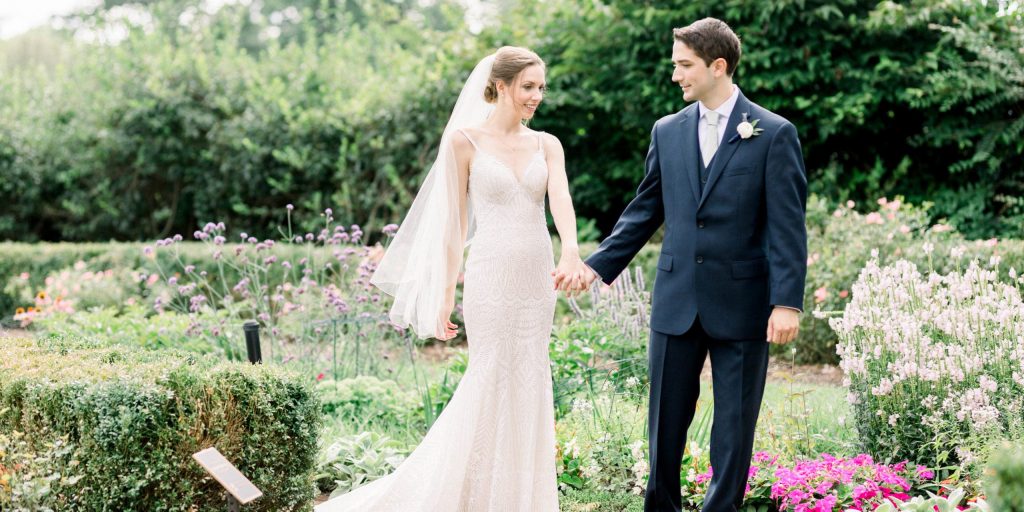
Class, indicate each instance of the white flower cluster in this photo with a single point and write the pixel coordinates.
(950, 347)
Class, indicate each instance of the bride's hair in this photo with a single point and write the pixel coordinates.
(509, 61)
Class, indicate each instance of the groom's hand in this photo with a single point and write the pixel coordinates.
(588, 278)
(783, 325)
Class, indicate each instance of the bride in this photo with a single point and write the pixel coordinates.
(493, 447)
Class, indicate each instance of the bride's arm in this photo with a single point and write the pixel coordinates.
(569, 264)
(463, 154)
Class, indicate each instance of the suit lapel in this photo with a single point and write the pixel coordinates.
(728, 147)
(690, 150)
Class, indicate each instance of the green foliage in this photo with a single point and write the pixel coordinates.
(133, 326)
(936, 503)
(367, 402)
(172, 128)
(134, 418)
(850, 74)
(232, 114)
(355, 460)
(1004, 479)
(599, 501)
(970, 90)
(36, 479)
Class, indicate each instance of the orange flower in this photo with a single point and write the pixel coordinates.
(19, 311)
(31, 309)
(41, 296)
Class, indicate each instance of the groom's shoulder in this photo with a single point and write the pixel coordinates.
(675, 117)
(768, 119)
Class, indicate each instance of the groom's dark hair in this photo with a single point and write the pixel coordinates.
(711, 39)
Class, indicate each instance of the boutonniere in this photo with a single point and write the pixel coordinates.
(747, 129)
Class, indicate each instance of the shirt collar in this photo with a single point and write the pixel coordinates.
(725, 109)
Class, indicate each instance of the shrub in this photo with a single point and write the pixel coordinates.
(366, 401)
(1004, 480)
(134, 417)
(842, 240)
(601, 445)
(36, 478)
(934, 363)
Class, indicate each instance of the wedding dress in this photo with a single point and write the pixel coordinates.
(492, 449)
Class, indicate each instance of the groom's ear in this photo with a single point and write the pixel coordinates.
(719, 67)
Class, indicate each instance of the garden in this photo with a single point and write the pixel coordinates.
(223, 166)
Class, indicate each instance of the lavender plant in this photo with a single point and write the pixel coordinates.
(310, 292)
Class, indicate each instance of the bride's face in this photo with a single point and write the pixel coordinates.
(527, 91)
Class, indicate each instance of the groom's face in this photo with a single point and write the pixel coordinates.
(691, 73)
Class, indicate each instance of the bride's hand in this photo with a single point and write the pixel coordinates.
(569, 274)
(449, 329)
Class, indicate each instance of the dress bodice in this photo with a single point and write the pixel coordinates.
(503, 200)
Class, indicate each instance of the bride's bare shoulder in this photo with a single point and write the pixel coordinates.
(461, 142)
(551, 143)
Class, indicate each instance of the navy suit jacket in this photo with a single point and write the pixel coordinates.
(730, 254)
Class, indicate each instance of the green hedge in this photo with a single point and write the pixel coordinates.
(181, 124)
(135, 417)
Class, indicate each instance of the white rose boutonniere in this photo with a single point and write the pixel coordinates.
(747, 129)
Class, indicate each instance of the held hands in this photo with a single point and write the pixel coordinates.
(783, 325)
(572, 275)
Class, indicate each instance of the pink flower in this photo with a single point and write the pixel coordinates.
(821, 294)
(320, 377)
(874, 218)
(844, 294)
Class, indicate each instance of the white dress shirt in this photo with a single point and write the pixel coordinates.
(724, 110)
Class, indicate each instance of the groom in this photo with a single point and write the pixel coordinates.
(732, 265)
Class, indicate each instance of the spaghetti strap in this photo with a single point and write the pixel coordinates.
(470, 139)
(540, 141)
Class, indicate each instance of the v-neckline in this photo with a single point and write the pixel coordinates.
(518, 178)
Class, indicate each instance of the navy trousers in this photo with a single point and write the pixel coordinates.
(738, 377)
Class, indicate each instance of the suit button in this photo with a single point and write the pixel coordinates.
(700, 259)
(703, 180)
(700, 224)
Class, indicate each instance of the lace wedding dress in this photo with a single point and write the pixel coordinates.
(492, 449)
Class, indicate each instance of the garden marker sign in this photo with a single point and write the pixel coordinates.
(238, 486)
